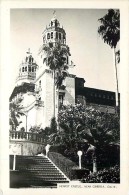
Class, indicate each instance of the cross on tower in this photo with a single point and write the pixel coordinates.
(28, 52)
(54, 13)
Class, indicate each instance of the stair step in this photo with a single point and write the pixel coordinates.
(40, 173)
(31, 157)
(45, 179)
(45, 176)
(41, 169)
(34, 158)
(36, 165)
(33, 161)
(37, 171)
(37, 168)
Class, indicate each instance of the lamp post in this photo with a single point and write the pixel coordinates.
(79, 154)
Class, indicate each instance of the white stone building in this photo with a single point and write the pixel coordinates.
(35, 84)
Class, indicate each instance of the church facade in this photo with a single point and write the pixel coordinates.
(34, 85)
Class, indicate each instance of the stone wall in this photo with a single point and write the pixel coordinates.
(45, 80)
(49, 104)
(70, 90)
(46, 94)
(25, 148)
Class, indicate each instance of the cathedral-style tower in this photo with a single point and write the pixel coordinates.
(53, 34)
(27, 69)
(47, 92)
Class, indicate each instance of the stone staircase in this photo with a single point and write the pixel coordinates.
(35, 171)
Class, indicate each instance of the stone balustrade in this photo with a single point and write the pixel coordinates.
(26, 136)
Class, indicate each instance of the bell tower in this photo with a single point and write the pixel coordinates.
(52, 97)
(54, 33)
(27, 70)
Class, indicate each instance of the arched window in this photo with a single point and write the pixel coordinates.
(30, 58)
(51, 35)
(59, 35)
(56, 35)
(61, 99)
(67, 60)
(32, 69)
(22, 69)
(48, 35)
(29, 68)
(64, 38)
(55, 23)
(25, 68)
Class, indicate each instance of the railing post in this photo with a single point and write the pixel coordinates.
(16, 135)
(19, 135)
(27, 136)
(14, 162)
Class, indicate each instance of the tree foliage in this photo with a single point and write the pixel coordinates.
(15, 111)
(56, 57)
(96, 131)
(35, 129)
(109, 29)
(87, 123)
(110, 175)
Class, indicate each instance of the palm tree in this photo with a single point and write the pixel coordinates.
(15, 111)
(56, 60)
(109, 30)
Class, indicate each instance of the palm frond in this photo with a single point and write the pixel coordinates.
(109, 29)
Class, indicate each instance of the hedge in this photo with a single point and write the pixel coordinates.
(64, 164)
(111, 175)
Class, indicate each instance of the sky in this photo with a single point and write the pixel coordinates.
(93, 58)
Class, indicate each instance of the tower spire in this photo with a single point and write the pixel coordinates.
(28, 52)
(54, 14)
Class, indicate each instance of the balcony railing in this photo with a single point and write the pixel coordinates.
(25, 136)
(26, 76)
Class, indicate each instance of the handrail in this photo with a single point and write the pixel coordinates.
(18, 135)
